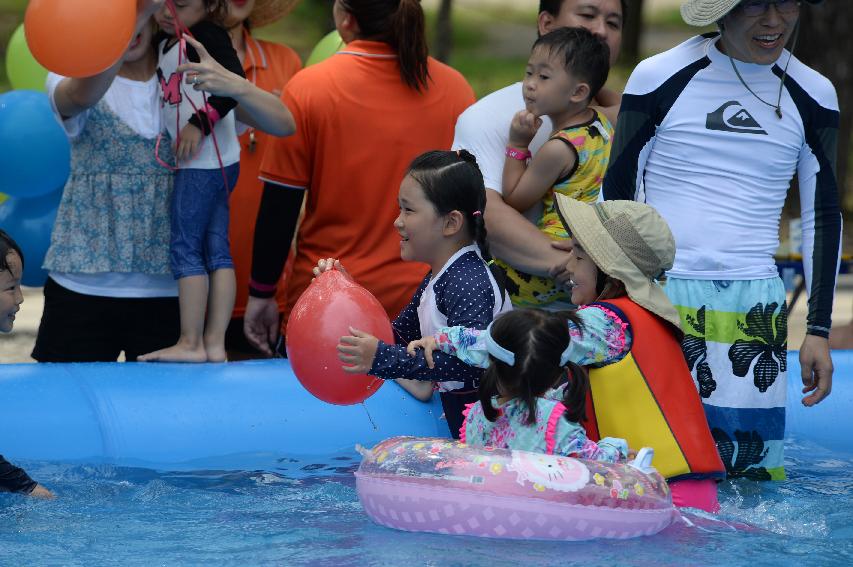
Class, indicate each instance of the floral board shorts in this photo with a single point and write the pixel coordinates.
(735, 343)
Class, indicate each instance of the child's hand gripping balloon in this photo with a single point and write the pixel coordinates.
(357, 351)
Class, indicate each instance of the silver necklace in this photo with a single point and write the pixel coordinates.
(778, 105)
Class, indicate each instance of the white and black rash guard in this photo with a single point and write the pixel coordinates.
(717, 163)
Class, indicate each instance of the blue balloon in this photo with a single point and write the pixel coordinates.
(30, 222)
(35, 156)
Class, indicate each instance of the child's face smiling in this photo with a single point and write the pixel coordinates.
(418, 223)
(584, 275)
(547, 85)
(190, 12)
(11, 297)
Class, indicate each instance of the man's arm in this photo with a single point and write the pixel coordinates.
(821, 225)
(517, 241)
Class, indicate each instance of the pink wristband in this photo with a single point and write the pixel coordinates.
(212, 114)
(518, 154)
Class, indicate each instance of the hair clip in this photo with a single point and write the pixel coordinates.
(477, 213)
(497, 350)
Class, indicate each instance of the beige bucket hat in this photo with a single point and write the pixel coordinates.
(267, 11)
(706, 12)
(629, 241)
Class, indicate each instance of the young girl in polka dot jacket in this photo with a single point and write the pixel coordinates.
(441, 199)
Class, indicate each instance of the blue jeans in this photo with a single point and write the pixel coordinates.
(199, 243)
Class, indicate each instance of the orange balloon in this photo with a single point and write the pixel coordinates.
(79, 38)
(321, 316)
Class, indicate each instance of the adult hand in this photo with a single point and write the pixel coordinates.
(188, 143)
(560, 272)
(429, 345)
(41, 492)
(816, 368)
(209, 76)
(523, 128)
(261, 323)
(357, 351)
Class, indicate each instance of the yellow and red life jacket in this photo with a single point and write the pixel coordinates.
(649, 399)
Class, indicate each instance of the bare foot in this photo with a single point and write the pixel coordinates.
(178, 353)
(41, 492)
(216, 354)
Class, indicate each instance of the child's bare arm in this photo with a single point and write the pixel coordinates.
(522, 130)
(553, 160)
(419, 389)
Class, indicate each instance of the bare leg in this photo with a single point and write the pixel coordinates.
(192, 298)
(223, 287)
(419, 389)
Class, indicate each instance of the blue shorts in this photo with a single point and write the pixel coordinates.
(199, 243)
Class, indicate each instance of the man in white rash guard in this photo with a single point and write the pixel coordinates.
(711, 133)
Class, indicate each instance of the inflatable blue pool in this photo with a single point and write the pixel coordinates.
(237, 464)
(180, 416)
(183, 416)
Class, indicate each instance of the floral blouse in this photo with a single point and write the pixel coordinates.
(551, 434)
(605, 338)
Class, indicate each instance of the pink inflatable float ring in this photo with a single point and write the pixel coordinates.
(447, 487)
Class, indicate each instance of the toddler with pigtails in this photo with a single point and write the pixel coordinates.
(528, 353)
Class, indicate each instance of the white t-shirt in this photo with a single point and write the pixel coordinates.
(137, 104)
(180, 102)
(483, 130)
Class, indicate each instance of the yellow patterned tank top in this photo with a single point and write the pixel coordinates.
(591, 144)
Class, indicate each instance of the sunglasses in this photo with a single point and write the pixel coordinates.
(754, 8)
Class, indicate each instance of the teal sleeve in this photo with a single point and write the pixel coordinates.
(468, 345)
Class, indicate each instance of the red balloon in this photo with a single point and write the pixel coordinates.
(79, 38)
(321, 316)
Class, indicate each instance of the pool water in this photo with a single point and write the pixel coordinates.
(308, 513)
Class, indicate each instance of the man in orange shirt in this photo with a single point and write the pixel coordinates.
(362, 116)
(269, 66)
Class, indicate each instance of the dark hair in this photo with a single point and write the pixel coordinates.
(538, 339)
(400, 24)
(585, 55)
(7, 246)
(608, 287)
(217, 11)
(553, 7)
(452, 181)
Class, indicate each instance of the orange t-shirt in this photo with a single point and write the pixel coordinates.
(269, 66)
(358, 127)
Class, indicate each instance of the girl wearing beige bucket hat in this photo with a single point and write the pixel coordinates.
(641, 388)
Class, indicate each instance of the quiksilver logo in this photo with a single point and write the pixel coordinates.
(733, 117)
